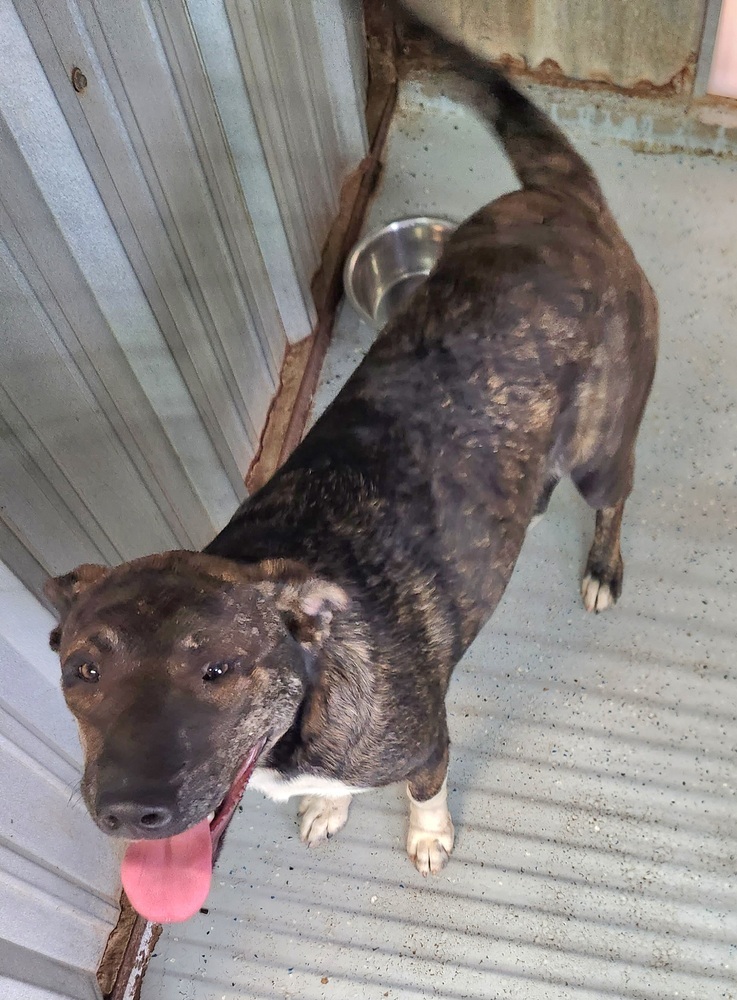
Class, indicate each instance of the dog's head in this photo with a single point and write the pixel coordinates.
(181, 670)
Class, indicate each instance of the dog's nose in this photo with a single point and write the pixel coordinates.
(135, 818)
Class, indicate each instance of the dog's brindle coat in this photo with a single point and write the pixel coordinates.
(328, 616)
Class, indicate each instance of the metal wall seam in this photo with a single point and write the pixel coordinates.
(214, 35)
(255, 296)
(342, 38)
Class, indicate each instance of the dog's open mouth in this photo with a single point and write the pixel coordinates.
(168, 880)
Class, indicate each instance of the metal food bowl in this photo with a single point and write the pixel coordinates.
(385, 268)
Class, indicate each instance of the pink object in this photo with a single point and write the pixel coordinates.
(168, 880)
(723, 76)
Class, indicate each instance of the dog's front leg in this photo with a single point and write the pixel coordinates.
(322, 817)
(430, 836)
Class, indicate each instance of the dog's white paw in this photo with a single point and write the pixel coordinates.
(322, 817)
(429, 852)
(597, 595)
(431, 835)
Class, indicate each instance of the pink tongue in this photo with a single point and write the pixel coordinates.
(167, 881)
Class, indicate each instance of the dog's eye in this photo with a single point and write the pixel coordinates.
(88, 672)
(215, 671)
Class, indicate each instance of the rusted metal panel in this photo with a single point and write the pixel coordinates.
(644, 45)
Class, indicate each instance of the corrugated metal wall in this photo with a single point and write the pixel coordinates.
(58, 875)
(653, 42)
(160, 224)
(289, 80)
(158, 233)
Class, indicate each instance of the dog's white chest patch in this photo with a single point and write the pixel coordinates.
(274, 786)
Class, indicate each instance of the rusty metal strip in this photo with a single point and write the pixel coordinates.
(303, 362)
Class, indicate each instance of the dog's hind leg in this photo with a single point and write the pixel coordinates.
(602, 579)
(605, 481)
(605, 486)
(430, 835)
(322, 817)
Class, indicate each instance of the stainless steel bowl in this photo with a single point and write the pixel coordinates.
(385, 268)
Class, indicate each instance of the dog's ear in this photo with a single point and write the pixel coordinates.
(63, 591)
(309, 608)
(307, 602)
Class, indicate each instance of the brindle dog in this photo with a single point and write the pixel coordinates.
(316, 636)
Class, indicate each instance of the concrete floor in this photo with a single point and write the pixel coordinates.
(594, 762)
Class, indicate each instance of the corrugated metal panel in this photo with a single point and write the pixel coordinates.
(128, 248)
(628, 44)
(105, 452)
(154, 150)
(58, 875)
(289, 81)
(304, 73)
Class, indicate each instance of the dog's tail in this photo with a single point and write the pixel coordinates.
(541, 155)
